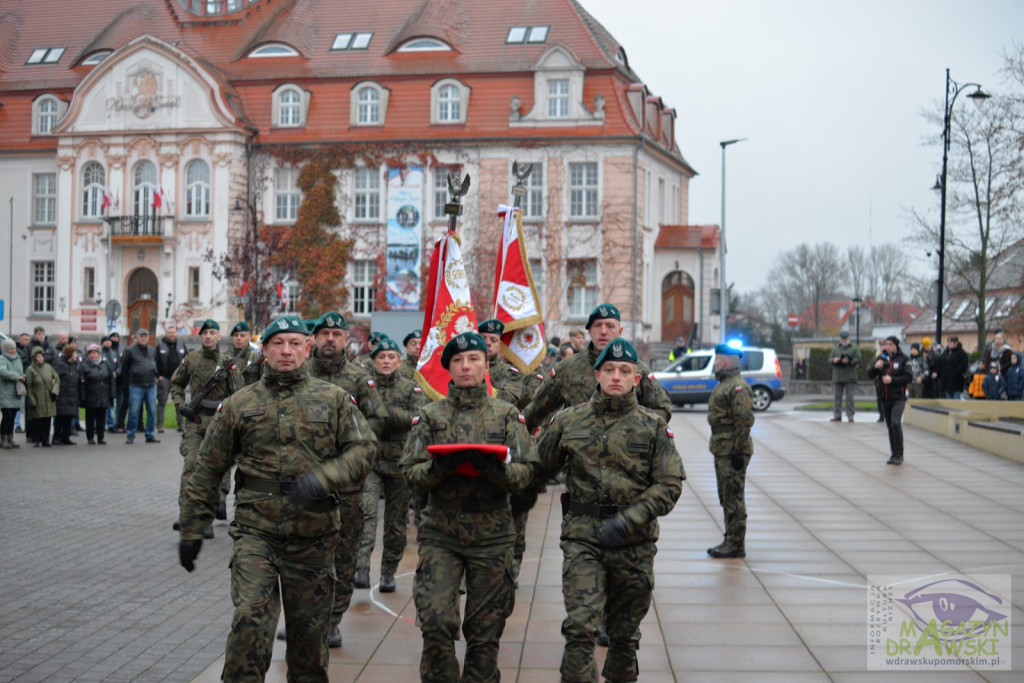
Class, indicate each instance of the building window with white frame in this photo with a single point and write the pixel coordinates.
(48, 113)
(197, 189)
(441, 174)
(581, 290)
(289, 111)
(89, 283)
(367, 194)
(42, 288)
(193, 284)
(583, 190)
(369, 106)
(364, 291)
(44, 191)
(144, 187)
(287, 195)
(533, 200)
(558, 98)
(92, 190)
(449, 101)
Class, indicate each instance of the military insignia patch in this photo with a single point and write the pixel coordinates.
(522, 419)
(739, 388)
(316, 413)
(416, 420)
(603, 312)
(669, 433)
(462, 343)
(617, 350)
(370, 383)
(353, 398)
(417, 390)
(552, 372)
(651, 377)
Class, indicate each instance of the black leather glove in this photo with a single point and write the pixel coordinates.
(738, 461)
(613, 532)
(483, 462)
(450, 461)
(306, 489)
(188, 551)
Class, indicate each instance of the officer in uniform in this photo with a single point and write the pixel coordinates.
(248, 363)
(330, 363)
(294, 439)
(411, 342)
(466, 530)
(505, 377)
(731, 415)
(623, 472)
(572, 380)
(195, 371)
(403, 398)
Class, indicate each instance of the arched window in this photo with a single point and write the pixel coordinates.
(92, 190)
(274, 50)
(369, 105)
(197, 189)
(449, 101)
(143, 187)
(289, 110)
(48, 113)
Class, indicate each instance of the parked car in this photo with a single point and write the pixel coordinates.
(691, 379)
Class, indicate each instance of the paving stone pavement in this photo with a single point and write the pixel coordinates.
(91, 590)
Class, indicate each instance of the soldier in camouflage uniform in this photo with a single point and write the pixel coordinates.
(572, 380)
(411, 342)
(403, 399)
(623, 472)
(194, 372)
(249, 365)
(731, 415)
(330, 363)
(294, 439)
(505, 377)
(467, 529)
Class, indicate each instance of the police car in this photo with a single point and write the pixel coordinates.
(691, 379)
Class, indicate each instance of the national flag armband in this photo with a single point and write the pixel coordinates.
(552, 372)
(650, 376)
(514, 370)
(417, 390)
(669, 433)
(522, 419)
(415, 420)
(353, 399)
(370, 384)
(739, 388)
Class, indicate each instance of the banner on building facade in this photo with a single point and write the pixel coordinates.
(404, 237)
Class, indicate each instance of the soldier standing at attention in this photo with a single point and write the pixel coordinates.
(195, 371)
(403, 399)
(466, 530)
(572, 380)
(294, 439)
(248, 363)
(623, 472)
(505, 378)
(411, 342)
(731, 415)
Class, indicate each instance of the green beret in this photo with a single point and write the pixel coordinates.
(386, 344)
(375, 337)
(209, 324)
(618, 349)
(310, 324)
(492, 326)
(467, 341)
(286, 323)
(726, 350)
(241, 326)
(415, 334)
(330, 320)
(603, 311)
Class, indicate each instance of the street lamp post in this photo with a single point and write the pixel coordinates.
(978, 96)
(254, 295)
(723, 294)
(857, 303)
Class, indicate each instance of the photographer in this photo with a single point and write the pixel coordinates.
(845, 360)
(892, 371)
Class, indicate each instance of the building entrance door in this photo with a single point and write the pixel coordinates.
(142, 307)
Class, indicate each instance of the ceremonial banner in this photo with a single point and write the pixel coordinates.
(516, 303)
(405, 227)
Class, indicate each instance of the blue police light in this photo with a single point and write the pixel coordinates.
(735, 343)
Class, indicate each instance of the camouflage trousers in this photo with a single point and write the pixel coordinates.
(346, 551)
(267, 573)
(617, 581)
(396, 517)
(490, 598)
(730, 495)
(519, 547)
(191, 440)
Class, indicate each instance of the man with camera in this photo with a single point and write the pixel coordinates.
(845, 360)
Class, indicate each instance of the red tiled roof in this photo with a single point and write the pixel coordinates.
(687, 237)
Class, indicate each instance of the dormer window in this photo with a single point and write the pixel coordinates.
(527, 34)
(47, 110)
(558, 94)
(449, 101)
(95, 58)
(558, 98)
(45, 55)
(369, 104)
(351, 41)
(274, 50)
(290, 105)
(425, 45)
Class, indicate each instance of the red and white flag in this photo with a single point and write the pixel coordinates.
(516, 303)
(158, 197)
(282, 292)
(448, 312)
(108, 198)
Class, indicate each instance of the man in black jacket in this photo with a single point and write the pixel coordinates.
(950, 376)
(112, 355)
(892, 369)
(139, 370)
(169, 354)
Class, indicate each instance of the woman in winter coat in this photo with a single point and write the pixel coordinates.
(11, 374)
(66, 367)
(43, 386)
(96, 392)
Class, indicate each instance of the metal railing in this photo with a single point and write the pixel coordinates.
(138, 226)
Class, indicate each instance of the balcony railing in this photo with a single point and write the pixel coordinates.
(140, 226)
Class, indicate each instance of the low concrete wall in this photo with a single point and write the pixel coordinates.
(803, 387)
(971, 422)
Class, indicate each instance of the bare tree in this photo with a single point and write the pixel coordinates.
(806, 276)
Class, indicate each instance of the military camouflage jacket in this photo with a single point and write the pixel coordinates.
(731, 414)
(195, 371)
(249, 366)
(615, 452)
(572, 382)
(408, 367)
(507, 382)
(278, 429)
(468, 415)
(351, 377)
(403, 399)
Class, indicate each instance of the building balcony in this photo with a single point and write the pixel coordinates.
(146, 229)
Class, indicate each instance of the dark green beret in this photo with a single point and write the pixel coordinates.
(619, 350)
(603, 311)
(286, 323)
(385, 344)
(375, 337)
(310, 324)
(209, 324)
(241, 326)
(726, 350)
(330, 320)
(467, 341)
(415, 334)
(492, 326)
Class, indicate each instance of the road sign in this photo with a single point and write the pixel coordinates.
(113, 309)
(793, 320)
(933, 294)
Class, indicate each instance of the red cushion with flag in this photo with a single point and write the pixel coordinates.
(501, 452)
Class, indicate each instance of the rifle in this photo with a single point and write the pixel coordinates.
(253, 369)
(189, 411)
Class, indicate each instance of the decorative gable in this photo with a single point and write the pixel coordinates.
(558, 94)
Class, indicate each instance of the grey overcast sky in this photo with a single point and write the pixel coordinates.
(830, 95)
